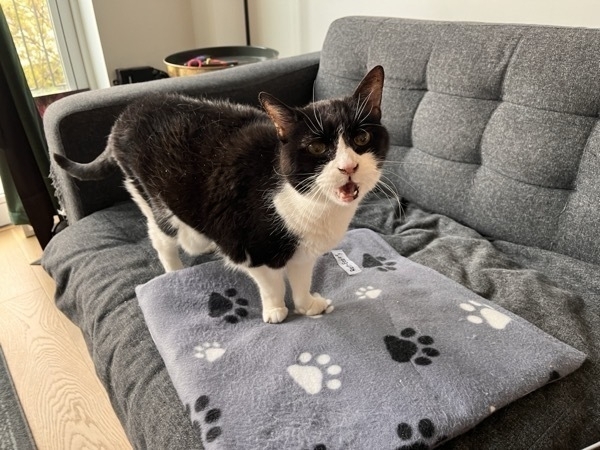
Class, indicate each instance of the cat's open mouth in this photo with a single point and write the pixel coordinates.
(348, 192)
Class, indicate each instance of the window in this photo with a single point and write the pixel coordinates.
(45, 38)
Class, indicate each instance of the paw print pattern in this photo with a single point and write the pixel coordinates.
(368, 292)
(219, 305)
(209, 421)
(309, 374)
(209, 351)
(426, 430)
(404, 350)
(493, 318)
(378, 262)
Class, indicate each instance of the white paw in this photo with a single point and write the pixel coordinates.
(211, 351)
(368, 292)
(275, 315)
(494, 318)
(310, 377)
(329, 309)
(314, 305)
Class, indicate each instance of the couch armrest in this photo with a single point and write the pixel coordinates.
(78, 126)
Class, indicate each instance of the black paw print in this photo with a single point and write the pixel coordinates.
(218, 305)
(379, 262)
(426, 430)
(210, 418)
(403, 350)
(554, 375)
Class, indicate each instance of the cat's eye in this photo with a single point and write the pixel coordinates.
(317, 148)
(362, 138)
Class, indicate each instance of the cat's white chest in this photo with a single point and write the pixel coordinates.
(319, 223)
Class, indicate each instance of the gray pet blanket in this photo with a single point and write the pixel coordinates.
(407, 360)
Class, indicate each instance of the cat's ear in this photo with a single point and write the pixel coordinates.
(282, 115)
(370, 90)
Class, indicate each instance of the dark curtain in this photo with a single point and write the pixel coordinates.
(24, 162)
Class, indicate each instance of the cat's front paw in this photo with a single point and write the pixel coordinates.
(314, 305)
(275, 315)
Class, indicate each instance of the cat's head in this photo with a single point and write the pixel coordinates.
(333, 148)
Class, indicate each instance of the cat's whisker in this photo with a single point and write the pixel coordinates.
(314, 197)
(318, 119)
(385, 182)
(312, 127)
(365, 117)
(396, 206)
(384, 171)
(360, 107)
(390, 193)
(370, 124)
(306, 184)
(407, 163)
(317, 197)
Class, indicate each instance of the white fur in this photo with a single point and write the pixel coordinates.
(318, 217)
(190, 240)
(321, 219)
(271, 285)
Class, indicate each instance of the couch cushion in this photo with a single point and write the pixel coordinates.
(88, 261)
(493, 125)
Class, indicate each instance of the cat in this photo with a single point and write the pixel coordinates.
(270, 190)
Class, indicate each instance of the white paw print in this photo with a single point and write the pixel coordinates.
(211, 351)
(310, 377)
(494, 318)
(368, 292)
(327, 311)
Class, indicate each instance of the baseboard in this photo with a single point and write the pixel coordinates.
(4, 217)
(27, 230)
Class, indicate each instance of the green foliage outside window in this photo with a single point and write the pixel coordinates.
(31, 26)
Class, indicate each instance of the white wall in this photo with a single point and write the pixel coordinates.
(314, 16)
(277, 24)
(143, 32)
(218, 23)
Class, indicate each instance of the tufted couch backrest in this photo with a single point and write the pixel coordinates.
(493, 125)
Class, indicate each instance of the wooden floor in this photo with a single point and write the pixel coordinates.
(65, 404)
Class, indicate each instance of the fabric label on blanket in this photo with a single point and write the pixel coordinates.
(408, 359)
(345, 263)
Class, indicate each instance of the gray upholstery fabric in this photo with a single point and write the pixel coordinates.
(493, 125)
(79, 125)
(558, 294)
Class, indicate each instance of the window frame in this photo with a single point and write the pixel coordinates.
(68, 44)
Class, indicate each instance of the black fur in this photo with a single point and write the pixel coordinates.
(216, 165)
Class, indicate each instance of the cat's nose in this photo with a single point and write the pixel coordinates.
(349, 168)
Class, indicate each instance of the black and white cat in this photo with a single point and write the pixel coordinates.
(270, 192)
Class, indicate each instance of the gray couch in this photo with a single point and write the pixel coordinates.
(495, 154)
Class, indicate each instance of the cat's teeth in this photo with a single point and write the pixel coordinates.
(348, 192)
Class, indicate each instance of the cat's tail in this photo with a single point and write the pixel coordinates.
(98, 169)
